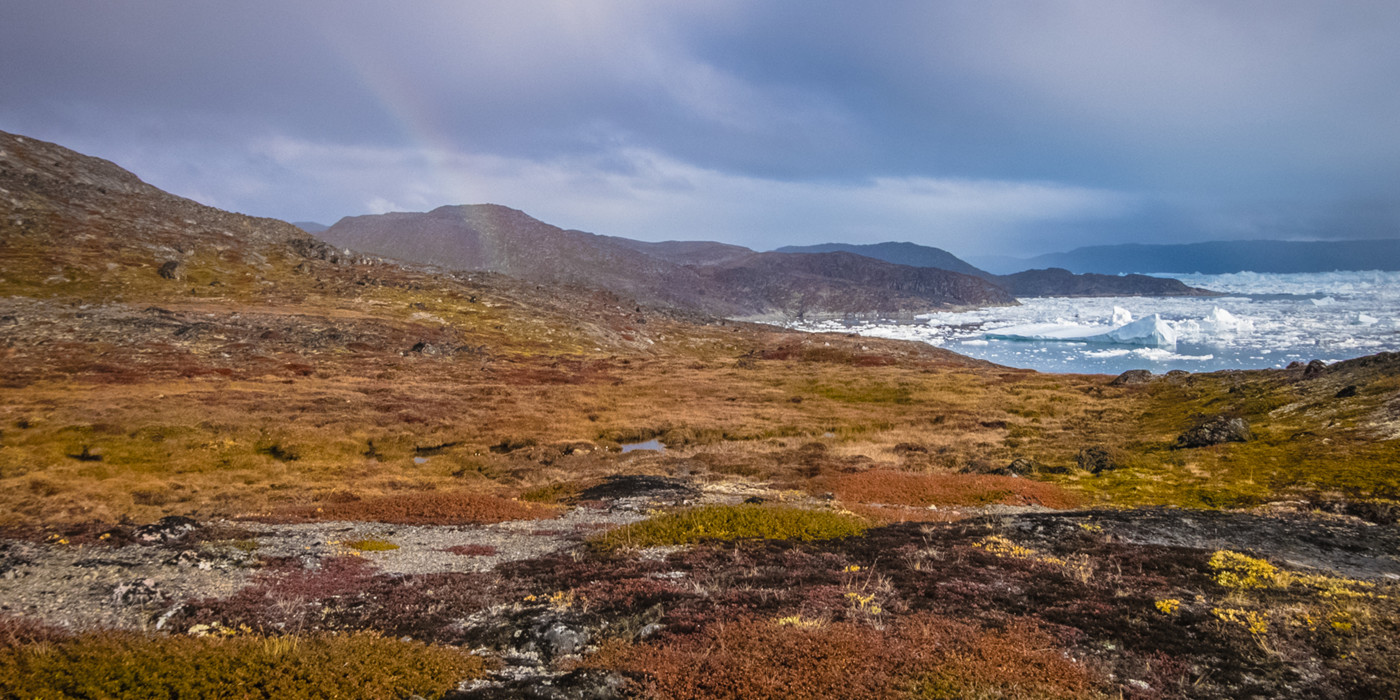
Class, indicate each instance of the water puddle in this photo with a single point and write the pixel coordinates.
(652, 444)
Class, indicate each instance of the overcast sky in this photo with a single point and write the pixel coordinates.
(983, 128)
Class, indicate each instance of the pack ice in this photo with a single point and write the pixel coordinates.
(1149, 331)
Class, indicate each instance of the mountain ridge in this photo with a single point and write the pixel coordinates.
(732, 282)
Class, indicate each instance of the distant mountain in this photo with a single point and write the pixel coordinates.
(310, 226)
(715, 278)
(1218, 257)
(1030, 283)
(898, 253)
(800, 285)
(500, 239)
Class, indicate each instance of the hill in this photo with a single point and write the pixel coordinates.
(707, 277)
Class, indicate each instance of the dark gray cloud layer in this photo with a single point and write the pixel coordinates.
(977, 127)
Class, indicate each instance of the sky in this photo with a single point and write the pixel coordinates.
(983, 128)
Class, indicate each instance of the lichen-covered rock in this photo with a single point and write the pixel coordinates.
(1095, 460)
(1132, 376)
(168, 529)
(1217, 430)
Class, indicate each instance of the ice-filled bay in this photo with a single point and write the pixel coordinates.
(1265, 320)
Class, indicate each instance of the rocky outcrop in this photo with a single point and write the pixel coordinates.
(1131, 377)
(1216, 430)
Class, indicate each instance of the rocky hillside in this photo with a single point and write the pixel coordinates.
(712, 278)
(81, 230)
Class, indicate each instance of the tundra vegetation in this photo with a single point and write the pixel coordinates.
(923, 525)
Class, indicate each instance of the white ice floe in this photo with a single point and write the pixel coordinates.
(1151, 331)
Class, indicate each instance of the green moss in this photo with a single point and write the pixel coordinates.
(732, 523)
(551, 493)
(128, 665)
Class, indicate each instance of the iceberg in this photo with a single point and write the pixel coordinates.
(1149, 331)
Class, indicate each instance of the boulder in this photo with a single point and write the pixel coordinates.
(1216, 430)
(1095, 460)
(1132, 376)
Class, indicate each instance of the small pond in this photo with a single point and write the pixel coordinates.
(653, 444)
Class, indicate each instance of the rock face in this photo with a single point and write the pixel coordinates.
(713, 278)
(1217, 430)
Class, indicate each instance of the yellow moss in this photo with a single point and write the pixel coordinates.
(732, 523)
(1242, 572)
(1253, 621)
(799, 621)
(1168, 606)
(371, 545)
(1002, 547)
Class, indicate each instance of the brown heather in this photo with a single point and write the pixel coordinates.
(922, 656)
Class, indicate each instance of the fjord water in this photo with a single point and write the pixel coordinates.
(1262, 321)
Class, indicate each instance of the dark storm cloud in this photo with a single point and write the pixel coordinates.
(973, 126)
